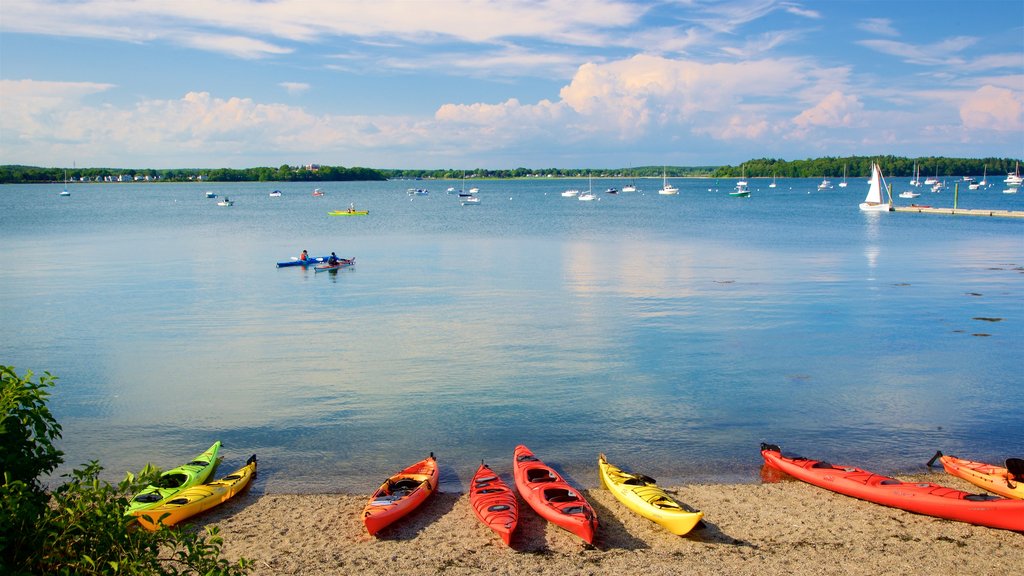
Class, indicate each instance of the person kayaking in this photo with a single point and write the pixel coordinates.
(304, 256)
(333, 260)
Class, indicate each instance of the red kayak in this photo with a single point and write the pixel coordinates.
(401, 494)
(494, 502)
(551, 496)
(920, 497)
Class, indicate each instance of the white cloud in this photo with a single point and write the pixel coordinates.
(942, 53)
(835, 110)
(880, 26)
(294, 88)
(237, 46)
(991, 108)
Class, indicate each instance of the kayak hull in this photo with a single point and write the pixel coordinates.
(342, 263)
(348, 213)
(919, 497)
(175, 480)
(995, 479)
(401, 494)
(192, 501)
(551, 496)
(308, 262)
(643, 496)
(494, 503)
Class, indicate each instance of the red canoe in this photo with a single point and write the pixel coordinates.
(494, 502)
(551, 496)
(920, 497)
(401, 494)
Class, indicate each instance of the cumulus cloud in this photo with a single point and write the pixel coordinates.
(993, 108)
(835, 110)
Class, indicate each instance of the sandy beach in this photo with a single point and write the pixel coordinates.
(786, 527)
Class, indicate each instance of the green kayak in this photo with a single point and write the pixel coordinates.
(175, 480)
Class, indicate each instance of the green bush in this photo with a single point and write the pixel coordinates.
(79, 528)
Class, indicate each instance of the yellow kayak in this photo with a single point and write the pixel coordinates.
(196, 499)
(995, 479)
(643, 496)
(175, 480)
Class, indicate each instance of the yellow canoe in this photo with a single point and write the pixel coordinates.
(643, 496)
(196, 499)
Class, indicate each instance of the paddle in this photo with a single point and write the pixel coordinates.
(1015, 466)
(938, 454)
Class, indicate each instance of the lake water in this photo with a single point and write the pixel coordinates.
(673, 333)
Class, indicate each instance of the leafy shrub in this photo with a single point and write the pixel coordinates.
(79, 528)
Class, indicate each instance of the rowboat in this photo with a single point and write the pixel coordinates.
(175, 480)
(642, 495)
(919, 497)
(192, 501)
(1008, 482)
(341, 263)
(551, 496)
(494, 503)
(401, 494)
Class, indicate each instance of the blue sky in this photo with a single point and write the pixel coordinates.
(505, 83)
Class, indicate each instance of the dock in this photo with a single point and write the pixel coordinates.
(960, 211)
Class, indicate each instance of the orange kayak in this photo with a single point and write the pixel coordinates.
(494, 503)
(401, 494)
(551, 496)
(919, 497)
(995, 479)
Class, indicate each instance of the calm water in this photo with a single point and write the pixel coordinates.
(672, 333)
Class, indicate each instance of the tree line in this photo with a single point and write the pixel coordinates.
(854, 167)
(17, 174)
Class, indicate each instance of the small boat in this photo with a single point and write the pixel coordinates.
(275, 194)
(65, 192)
(916, 180)
(570, 193)
(919, 497)
(318, 192)
(417, 191)
(930, 181)
(642, 495)
(341, 263)
(825, 184)
(210, 194)
(296, 261)
(401, 494)
(909, 194)
(551, 496)
(612, 191)
(200, 498)
(588, 196)
(938, 187)
(1006, 481)
(843, 183)
(350, 212)
(984, 176)
(873, 201)
(494, 503)
(741, 190)
(1010, 190)
(666, 188)
(1014, 178)
(772, 185)
(175, 480)
(226, 202)
(629, 188)
(470, 200)
(474, 190)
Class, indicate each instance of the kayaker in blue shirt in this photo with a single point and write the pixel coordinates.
(333, 259)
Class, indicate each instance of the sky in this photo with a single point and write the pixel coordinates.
(505, 83)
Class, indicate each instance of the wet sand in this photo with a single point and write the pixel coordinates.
(786, 527)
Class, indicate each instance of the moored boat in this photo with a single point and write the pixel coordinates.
(401, 494)
(175, 480)
(874, 202)
(1006, 481)
(199, 498)
(642, 495)
(551, 496)
(494, 503)
(919, 497)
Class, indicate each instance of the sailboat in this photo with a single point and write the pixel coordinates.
(873, 201)
(772, 185)
(65, 192)
(843, 183)
(929, 181)
(1013, 179)
(916, 180)
(825, 184)
(741, 190)
(631, 187)
(666, 188)
(589, 194)
(984, 176)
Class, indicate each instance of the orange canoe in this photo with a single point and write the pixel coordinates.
(401, 494)
(920, 497)
(995, 479)
(494, 502)
(551, 496)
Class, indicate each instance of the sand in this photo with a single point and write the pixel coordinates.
(773, 528)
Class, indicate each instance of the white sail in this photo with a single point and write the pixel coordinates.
(873, 201)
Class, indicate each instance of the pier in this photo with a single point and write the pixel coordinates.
(960, 211)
